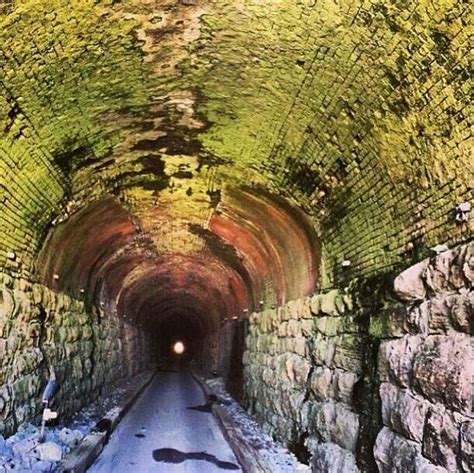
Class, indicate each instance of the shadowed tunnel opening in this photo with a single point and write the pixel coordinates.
(202, 293)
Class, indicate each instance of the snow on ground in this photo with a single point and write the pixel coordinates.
(278, 458)
(23, 453)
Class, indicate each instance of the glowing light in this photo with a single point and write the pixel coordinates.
(179, 348)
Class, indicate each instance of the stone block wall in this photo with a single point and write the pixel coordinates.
(426, 368)
(302, 364)
(375, 377)
(40, 330)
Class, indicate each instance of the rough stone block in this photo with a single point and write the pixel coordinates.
(293, 328)
(38, 292)
(438, 271)
(279, 314)
(438, 311)
(346, 428)
(289, 364)
(306, 308)
(23, 285)
(301, 368)
(441, 437)
(283, 329)
(394, 454)
(391, 322)
(8, 305)
(461, 311)
(348, 301)
(322, 383)
(418, 319)
(468, 266)
(396, 358)
(332, 303)
(349, 324)
(467, 445)
(315, 304)
(268, 377)
(265, 320)
(334, 422)
(443, 370)
(409, 285)
(348, 353)
(307, 327)
(7, 280)
(457, 278)
(402, 412)
(286, 312)
(319, 419)
(275, 322)
(324, 350)
(344, 385)
(331, 458)
(294, 309)
(328, 325)
(300, 346)
(295, 402)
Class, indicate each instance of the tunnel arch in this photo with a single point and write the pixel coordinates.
(204, 161)
(339, 153)
(103, 254)
(251, 243)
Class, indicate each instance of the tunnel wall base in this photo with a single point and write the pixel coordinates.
(375, 377)
(220, 355)
(39, 329)
(230, 368)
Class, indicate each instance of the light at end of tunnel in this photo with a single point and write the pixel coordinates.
(179, 348)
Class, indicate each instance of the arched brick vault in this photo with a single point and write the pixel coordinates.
(159, 156)
(102, 253)
(357, 112)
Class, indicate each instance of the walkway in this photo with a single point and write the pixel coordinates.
(169, 429)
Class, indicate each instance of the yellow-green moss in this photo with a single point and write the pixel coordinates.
(357, 111)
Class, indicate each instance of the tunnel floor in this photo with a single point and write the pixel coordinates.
(168, 430)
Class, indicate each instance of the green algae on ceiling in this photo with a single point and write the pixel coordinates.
(64, 66)
(356, 111)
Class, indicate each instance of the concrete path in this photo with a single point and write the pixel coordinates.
(169, 429)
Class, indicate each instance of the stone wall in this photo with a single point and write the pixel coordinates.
(41, 330)
(376, 377)
(426, 368)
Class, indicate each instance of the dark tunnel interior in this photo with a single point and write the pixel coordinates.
(257, 251)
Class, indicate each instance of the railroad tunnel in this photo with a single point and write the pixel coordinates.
(284, 186)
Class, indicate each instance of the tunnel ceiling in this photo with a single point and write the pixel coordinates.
(158, 150)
